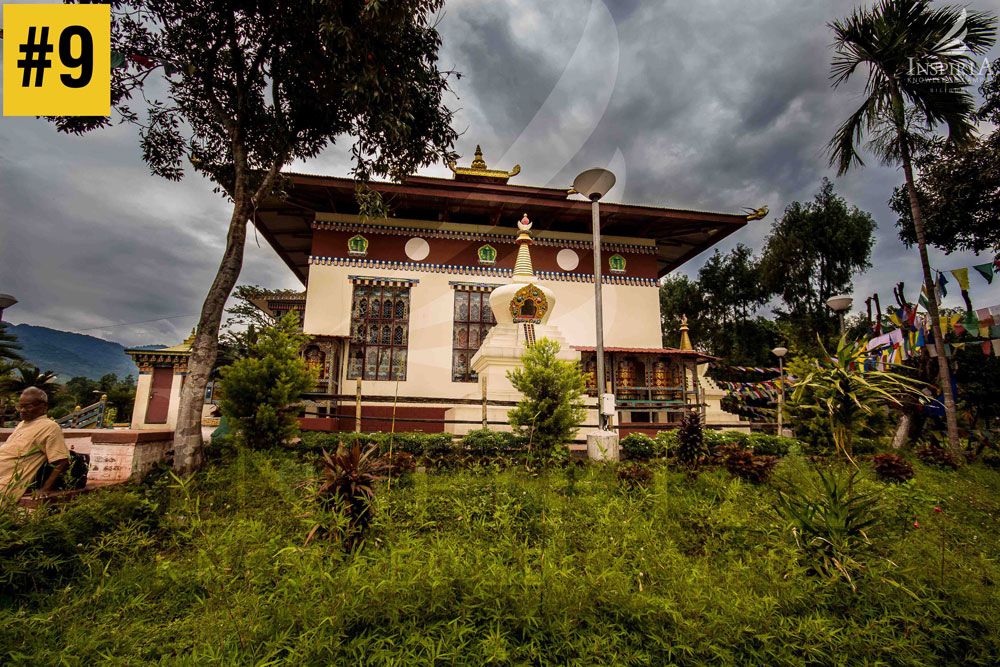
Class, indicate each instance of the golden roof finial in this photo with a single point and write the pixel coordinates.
(478, 172)
(479, 162)
(685, 338)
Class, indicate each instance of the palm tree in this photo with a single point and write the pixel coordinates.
(901, 42)
(8, 345)
(30, 376)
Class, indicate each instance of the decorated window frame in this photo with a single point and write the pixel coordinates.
(380, 336)
(472, 320)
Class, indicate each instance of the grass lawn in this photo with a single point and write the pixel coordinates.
(499, 567)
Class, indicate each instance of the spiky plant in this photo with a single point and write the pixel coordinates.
(348, 488)
(691, 446)
(841, 389)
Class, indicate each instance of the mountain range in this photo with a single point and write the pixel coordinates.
(71, 354)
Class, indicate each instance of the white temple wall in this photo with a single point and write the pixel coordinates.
(631, 319)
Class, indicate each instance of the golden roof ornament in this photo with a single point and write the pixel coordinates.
(756, 213)
(685, 338)
(478, 172)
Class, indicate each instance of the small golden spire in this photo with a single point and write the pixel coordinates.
(685, 338)
(479, 162)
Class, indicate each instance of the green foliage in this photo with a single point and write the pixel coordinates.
(484, 442)
(892, 468)
(638, 447)
(666, 443)
(935, 454)
(260, 392)
(831, 526)
(348, 489)
(772, 445)
(838, 388)
(429, 449)
(811, 254)
(8, 345)
(754, 468)
(634, 475)
(692, 446)
(466, 568)
(552, 408)
(47, 549)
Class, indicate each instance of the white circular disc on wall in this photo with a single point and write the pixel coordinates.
(417, 249)
(567, 259)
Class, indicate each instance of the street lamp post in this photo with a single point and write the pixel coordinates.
(780, 352)
(594, 184)
(6, 301)
(840, 304)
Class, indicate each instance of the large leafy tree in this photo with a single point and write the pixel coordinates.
(252, 86)
(812, 253)
(900, 43)
(720, 306)
(958, 187)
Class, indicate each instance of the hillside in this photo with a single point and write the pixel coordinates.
(71, 354)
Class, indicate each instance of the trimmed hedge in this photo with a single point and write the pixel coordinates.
(638, 447)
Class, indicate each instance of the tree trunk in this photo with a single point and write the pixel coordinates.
(902, 436)
(944, 372)
(187, 436)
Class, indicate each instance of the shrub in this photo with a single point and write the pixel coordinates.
(892, 468)
(552, 408)
(771, 445)
(831, 528)
(749, 466)
(666, 442)
(348, 488)
(937, 456)
(638, 447)
(715, 439)
(691, 445)
(260, 391)
(400, 464)
(484, 442)
(634, 475)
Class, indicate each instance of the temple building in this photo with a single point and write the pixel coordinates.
(421, 313)
(402, 303)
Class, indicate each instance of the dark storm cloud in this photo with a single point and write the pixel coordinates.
(715, 105)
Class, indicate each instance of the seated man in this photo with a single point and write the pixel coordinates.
(35, 440)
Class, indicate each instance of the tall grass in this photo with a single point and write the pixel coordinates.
(559, 567)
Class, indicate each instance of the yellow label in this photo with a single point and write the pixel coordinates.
(56, 60)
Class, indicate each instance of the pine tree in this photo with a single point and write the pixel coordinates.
(552, 408)
(260, 391)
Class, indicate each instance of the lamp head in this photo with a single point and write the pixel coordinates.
(6, 301)
(840, 303)
(594, 183)
(779, 351)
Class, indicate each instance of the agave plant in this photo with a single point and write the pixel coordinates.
(348, 488)
(846, 393)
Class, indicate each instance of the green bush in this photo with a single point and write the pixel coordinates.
(638, 447)
(260, 392)
(485, 443)
(715, 439)
(552, 409)
(666, 443)
(772, 445)
(42, 550)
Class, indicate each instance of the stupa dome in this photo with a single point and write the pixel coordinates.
(524, 299)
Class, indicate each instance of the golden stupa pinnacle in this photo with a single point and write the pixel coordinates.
(685, 338)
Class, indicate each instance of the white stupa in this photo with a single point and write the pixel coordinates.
(522, 310)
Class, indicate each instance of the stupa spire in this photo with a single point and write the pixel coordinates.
(522, 266)
(685, 338)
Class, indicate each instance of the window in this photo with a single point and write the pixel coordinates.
(380, 319)
(473, 320)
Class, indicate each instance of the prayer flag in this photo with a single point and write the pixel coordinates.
(962, 276)
(986, 271)
(941, 284)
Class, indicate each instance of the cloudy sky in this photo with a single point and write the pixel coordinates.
(719, 105)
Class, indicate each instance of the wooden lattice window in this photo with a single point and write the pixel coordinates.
(473, 320)
(380, 323)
